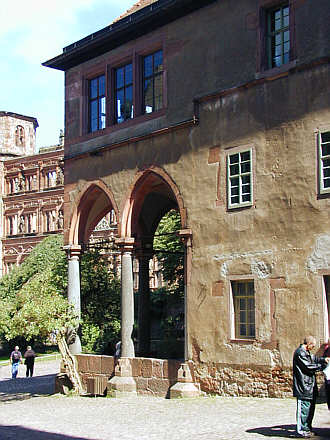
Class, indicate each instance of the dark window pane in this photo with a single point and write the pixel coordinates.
(246, 180)
(158, 61)
(234, 169)
(234, 181)
(234, 191)
(128, 74)
(325, 136)
(234, 158)
(245, 167)
(246, 198)
(102, 85)
(245, 156)
(326, 163)
(286, 21)
(234, 200)
(326, 172)
(326, 183)
(158, 90)
(242, 330)
(119, 78)
(93, 88)
(242, 303)
(148, 66)
(251, 331)
(246, 189)
(148, 96)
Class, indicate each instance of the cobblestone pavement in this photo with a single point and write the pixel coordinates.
(29, 411)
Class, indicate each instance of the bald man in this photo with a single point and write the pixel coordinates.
(305, 365)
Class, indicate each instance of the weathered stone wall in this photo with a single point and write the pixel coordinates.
(152, 376)
(8, 145)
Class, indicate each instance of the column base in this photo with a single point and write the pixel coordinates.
(184, 390)
(122, 384)
(122, 387)
(185, 387)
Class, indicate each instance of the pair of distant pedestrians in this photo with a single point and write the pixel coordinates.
(16, 359)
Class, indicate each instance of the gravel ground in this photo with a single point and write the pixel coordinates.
(30, 411)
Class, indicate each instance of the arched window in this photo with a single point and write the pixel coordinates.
(19, 136)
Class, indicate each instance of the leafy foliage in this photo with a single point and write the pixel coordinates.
(100, 304)
(31, 297)
(172, 258)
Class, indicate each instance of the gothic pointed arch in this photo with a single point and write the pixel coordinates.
(94, 202)
(152, 193)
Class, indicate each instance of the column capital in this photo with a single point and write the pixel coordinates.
(126, 244)
(72, 250)
(186, 236)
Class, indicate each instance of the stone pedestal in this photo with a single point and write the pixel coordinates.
(185, 387)
(122, 384)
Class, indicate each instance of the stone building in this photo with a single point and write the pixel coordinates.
(31, 189)
(219, 109)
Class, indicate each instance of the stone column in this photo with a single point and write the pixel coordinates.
(123, 383)
(73, 253)
(186, 237)
(144, 304)
(127, 297)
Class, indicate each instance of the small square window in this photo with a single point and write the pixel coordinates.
(239, 174)
(324, 162)
(244, 309)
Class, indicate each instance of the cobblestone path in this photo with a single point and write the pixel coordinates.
(29, 411)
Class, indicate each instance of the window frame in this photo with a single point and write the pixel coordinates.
(272, 34)
(152, 77)
(321, 177)
(114, 89)
(234, 323)
(239, 151)
(97, 99)
(263, 67)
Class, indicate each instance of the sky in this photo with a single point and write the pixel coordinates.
(34, 31)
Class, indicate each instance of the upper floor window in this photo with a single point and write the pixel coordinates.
(19, 136)
(96, 103)
(324, 162)
(244, 309)
(278, 36)
(153, 82)
(239, 172)
(124, 93)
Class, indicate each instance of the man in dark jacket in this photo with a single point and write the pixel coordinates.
(29, 356)
(305, 365)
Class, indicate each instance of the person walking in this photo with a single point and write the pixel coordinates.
(305, 365)
(327, 374)
(15, 359)
(29, 357)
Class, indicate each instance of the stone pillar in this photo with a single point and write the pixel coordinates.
(185, 386)
(186, 237)
(127, 297)
(144, 304)
(123, 384)
(73, 253)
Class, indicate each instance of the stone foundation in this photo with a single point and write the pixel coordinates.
(157, 376)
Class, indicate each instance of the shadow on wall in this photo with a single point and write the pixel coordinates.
(286, 431)
(19, 432)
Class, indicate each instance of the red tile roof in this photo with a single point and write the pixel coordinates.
(139, 5)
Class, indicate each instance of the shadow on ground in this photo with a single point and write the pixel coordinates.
(26, 387)
(20, 433)
(287, 431)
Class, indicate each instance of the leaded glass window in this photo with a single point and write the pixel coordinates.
(124, 93)
(153, 82)
(97, 106)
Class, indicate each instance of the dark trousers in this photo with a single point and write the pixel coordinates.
(327, 392)
(305, 414)
(29, 369)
